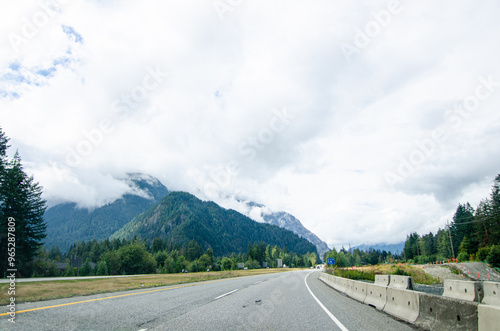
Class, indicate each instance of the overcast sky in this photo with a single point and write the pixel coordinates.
(366, 120)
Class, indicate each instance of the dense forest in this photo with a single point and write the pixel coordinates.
(127, 257)
(358, 257)
(181, 217)
(473, 235)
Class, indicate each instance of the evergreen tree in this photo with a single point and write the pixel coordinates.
(443, 244)
(462, 224)
(482, 228)
(411, 246)
(193, 250)
(102, 269)
(86, 269)
(494, 217)
(20, 199)
(465, 246)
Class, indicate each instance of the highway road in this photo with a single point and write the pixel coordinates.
(284, 301)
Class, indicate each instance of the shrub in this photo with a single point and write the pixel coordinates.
(354, 274)
(494, 256)
(192, 267)
(400, 272)
(463, 257)
(135, 259)
(482, 254)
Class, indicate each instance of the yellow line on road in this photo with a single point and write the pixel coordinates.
(120, 296)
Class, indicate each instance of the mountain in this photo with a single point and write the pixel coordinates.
(393, 248)
(261, 213)
(67, 224)
(182, 217)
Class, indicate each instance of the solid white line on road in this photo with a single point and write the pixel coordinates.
(340, 325)
(257, 282)
(221, 296)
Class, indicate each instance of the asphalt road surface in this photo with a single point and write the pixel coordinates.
(283, 301)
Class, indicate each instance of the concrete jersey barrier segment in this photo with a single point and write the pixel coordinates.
(491, 293)
(401, 282)
(358, 291)
(333, 281)
(328, 279)
(440, 313)
(382, 280)
(376, 296)
(463, 290)
(341, 285)
(403, 304)
(488, 317)
(348, 289)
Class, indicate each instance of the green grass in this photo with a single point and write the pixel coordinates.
(368, 273)
(352, 274)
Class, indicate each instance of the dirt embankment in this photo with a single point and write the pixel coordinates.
(462, 271)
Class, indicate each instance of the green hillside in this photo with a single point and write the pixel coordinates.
(181, 217)
(67, 224)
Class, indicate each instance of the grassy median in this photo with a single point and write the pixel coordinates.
(368, 273)
(47, 290)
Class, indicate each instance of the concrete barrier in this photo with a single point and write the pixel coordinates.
(342, 285)
(403, 304)
(328, 279)
(491, 291)
(488, 317)
(428, 311)
(401, 282)
(349, 288)
(440, 313)
(463, 290)
(333, 280)
(376, 296)
(338, 283)
(382, 280)
(358, 291)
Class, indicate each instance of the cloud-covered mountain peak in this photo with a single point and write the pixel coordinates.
(263, 214)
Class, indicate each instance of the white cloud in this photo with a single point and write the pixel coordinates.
(209, 126)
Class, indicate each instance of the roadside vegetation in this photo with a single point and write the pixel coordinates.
(136, 256)
(368, 273)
